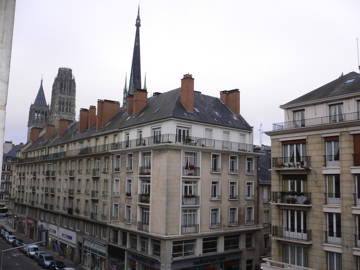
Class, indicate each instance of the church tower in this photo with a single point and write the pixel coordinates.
(39, 111)
(63, 97)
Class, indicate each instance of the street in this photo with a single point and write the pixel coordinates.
(16, 260)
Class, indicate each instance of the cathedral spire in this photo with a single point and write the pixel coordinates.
(135, 75)
(40, 97)
(125, 92)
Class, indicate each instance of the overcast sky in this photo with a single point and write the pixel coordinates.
(273, 51)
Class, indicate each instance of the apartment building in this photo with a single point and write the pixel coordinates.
(316, 179)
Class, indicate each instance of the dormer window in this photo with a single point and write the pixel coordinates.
(336, 113)
(299, 118)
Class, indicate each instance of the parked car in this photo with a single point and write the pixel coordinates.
(30, 250)
(18, 243)
(11, 238)
(45, 260)
(7, 235)
(57, 265)
(37, 255)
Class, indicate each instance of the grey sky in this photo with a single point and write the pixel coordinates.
(273, 51)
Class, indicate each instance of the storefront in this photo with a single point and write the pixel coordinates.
(62, 241)
(20, 224)
(140, 262)
(116, 258)
(30, 231)
(217, 262)
(94, 254)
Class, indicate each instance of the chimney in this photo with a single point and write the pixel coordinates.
(84, 119)
(106, 110)
(130, 104)
(139, 101)
(34, 134)
(49, 131)
(92, 116)
(63, 125)
(231, 98)
(187, 92)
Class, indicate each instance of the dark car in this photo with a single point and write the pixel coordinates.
(57, 265)
(18, 243)
(45, 260)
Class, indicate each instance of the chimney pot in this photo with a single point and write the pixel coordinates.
(139, 101)
(92, 116)
(231, 98)
(84, 119)
(106, 110)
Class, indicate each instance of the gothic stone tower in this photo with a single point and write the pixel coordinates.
(39, 111)
(63, 97)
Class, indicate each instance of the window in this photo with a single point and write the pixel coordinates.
(128, 187)
(116, 187)
(336, 113)
(189, 217)
(145, 187)
(296, 255)
(233, 164)
(266, 194)
(189, 188)
(266, 241)
(226, 139)
(249, 190)
(215, 190)
(115, 212)
(139, 138)
(183, 134)
(117, 163)
(333, 228)
(295, 224)
(333, 261)
(156, 247)
(129, 162)
(332, 151)
(333, 189)
(190, 164)
(127, 139)
(249, 264)
(157, 135)
(214, 217)
(144, 244)
(266, 217)
(144, 215)
(209, 244)
(233, 216)
(249, 165)
(249, 215)
(215, 162)
(124, 239)
(133, 241)
(209, 137)
(249, 240)
(357, 186)
(115, 236)
(233, 190)
(183, 248)
(294, 154)
(128, 213)
(231, 242)
(299, 118)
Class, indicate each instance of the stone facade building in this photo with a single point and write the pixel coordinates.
(316, 179)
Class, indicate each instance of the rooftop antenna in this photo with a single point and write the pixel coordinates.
(357, 50)
(260, 134)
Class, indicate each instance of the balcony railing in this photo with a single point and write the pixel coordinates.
(332, 198)
(168, 139)
(143, 226)
(331, 160)
(292, 197)
(277, 265)
(191, 171)
(144, 198)
(332, 238)
(291, 233)
(194, 228)
(145, 170)
(94, 194)
(318, 121)
(302, 162)
(95, 172)
(190, 200)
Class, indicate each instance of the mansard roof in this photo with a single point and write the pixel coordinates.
(207, 110)
(344, 85)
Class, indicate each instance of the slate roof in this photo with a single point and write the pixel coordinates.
(344, 85)
(12, 152)
(265, 164)
(40, 97)
(207, 109)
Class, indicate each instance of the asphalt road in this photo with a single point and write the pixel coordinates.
(15, 259)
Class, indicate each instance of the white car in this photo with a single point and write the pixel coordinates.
(11, 238)
(31, 249)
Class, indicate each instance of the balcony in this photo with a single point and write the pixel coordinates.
(292, 197)
(333, 198)
(333, 238)
(71, 192)
(194, 228)
(71, 173)
(52, 191)
(300, 163)
(318, 121)
(33, 189)
(215, 225)
(277, 265)
(190, 200)
(143, 226)
(191, 170)
(144, 198)
(96, 173)
(94, 195)
(216, 170)
(233, 223)
(145, 170)
(291, 233)
(93, 215)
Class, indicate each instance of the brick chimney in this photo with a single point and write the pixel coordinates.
(106, 110)
(34, 134)
(139, 101)
(49, 131)
(187, 92)
(92, 116)
(231, 98)
(84, 119)
(130, 104)
(63, 125)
